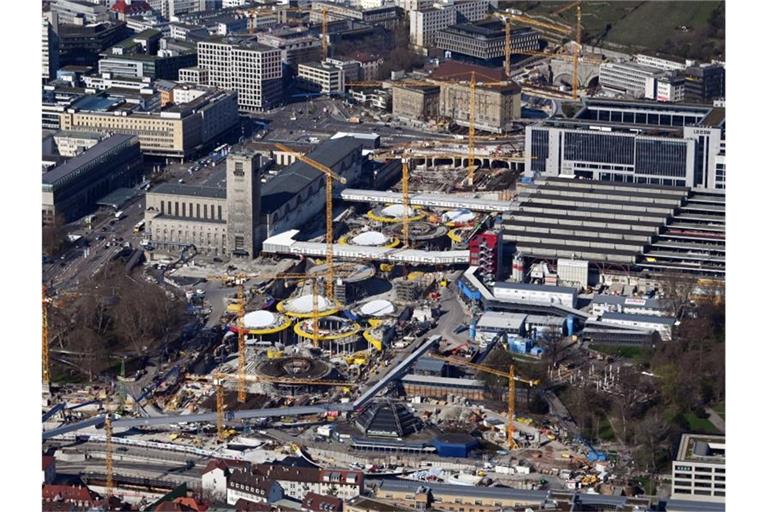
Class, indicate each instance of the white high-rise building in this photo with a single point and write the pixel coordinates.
(242, 64)
(50, 40)
(698, 472)
(425, 22)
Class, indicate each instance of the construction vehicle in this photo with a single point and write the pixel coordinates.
(330, 175)
(511, 378)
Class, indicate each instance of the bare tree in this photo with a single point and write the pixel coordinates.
(54, 236)
(677, 289)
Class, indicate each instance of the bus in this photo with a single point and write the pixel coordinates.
(139, 227)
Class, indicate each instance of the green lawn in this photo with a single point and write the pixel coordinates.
(699, 425)
(637, 354)
(719, 408)
(637, 25)
(605, 431)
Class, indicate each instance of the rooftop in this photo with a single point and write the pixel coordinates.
(701, 448)
(294, 178)
(536, 287)
(75, 164)
(648, 319)
(501, 320)
(180, 189)
(524, 496)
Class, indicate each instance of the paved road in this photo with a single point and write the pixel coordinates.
(716, 420)
(76, 268)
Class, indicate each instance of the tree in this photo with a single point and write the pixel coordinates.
(54, 236)
(677, 289)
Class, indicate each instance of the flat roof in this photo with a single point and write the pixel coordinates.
(536, 287)
(501, 320)
(117, 197)
(294, 178)
(629, 301)
(442, 381)
(181, 189)
(464, 490)
(104, 147)
(648, 319)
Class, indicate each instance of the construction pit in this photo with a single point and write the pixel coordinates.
(422, 235)
(353, 280)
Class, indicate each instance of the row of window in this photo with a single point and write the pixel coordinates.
(194, 210)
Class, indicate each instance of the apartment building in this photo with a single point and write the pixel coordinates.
(698, 472)
(242, 64)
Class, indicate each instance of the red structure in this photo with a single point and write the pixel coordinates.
(485, 253)
(131, 7)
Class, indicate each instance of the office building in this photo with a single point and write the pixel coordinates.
(662, 63)
(414, 5)
(176, 132)
(385, 16)
(321, 77)
(50, 46)
(425, 23)
(704, 84)
(153, 66)
(496, 107)
(242, 64)
(670, 87)
(79, 12)
(193, 75)
(627, 78)
(296, 44)
(71, 189)
(82, 45)
(415, 103)
(632, 142)
(698, 471)
(483, 42)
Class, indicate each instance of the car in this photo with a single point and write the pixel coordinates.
(112, 223)
(104, 228)
(100, 237)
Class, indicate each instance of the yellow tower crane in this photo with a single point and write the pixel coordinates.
(509, 375)
(576, 30)
(330, 175)
(46, 363)
(219, 379)
(109, 485)
(239, 280)
(324, 25)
